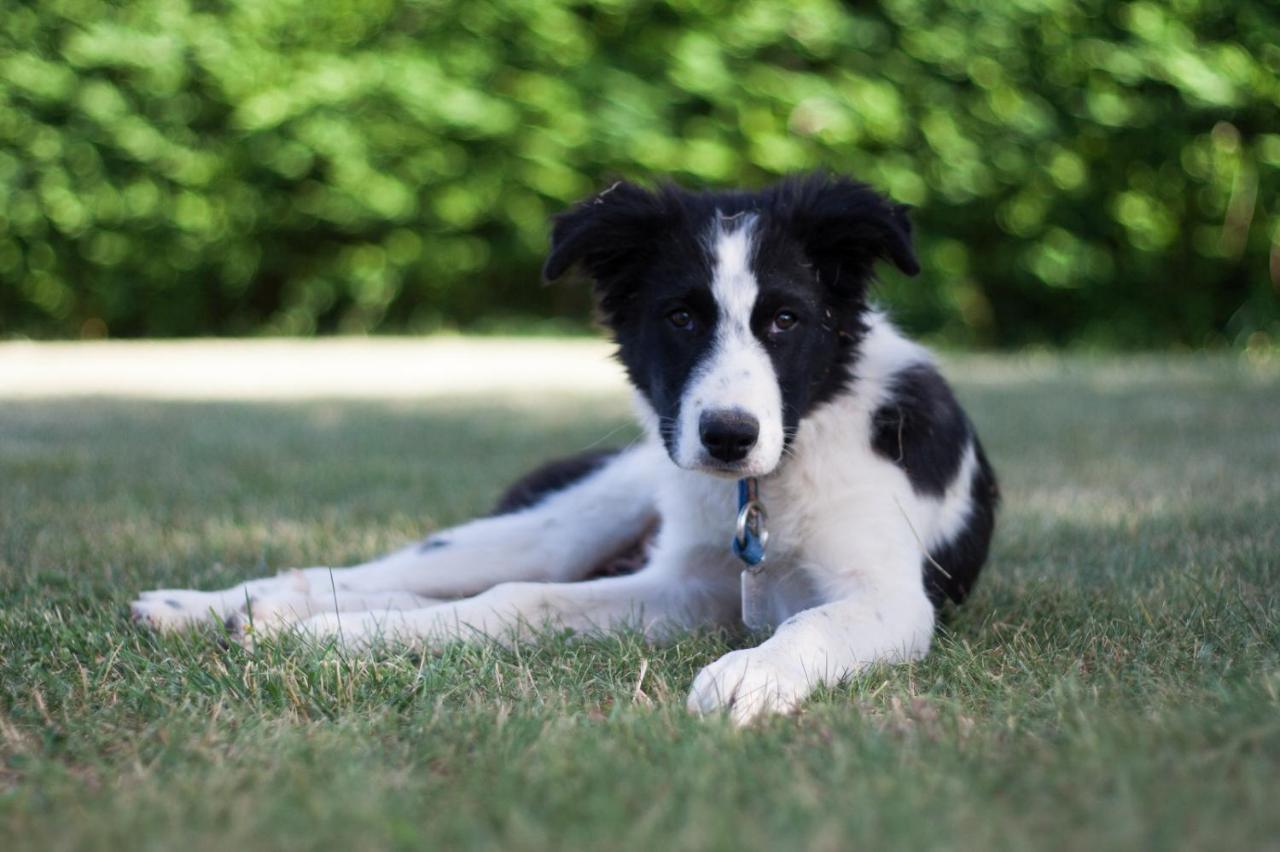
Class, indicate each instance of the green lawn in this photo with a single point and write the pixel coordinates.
(1114, 682)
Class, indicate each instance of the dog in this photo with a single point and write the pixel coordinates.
(743, 323)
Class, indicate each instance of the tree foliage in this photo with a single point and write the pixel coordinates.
(1082, 170)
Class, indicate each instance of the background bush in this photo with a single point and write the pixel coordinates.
(1083, 170)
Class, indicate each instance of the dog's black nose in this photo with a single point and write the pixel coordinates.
(728, 435)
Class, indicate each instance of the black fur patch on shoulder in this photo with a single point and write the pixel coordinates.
(951, 570)
(922, 429)
(532, 488)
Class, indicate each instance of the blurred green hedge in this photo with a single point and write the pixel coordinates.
(1090, 171)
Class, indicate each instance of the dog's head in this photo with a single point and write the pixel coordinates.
(735, 313)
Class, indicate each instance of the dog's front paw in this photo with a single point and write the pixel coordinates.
(171, 610)
(749, 685)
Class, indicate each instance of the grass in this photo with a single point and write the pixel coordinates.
(1114, 683)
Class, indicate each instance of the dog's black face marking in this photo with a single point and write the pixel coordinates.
(922, 430)
(811, 358)
(752, 302)
(667, 327)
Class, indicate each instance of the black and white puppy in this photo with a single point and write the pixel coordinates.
(743, 323)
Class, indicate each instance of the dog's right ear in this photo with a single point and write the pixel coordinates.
(608, 233)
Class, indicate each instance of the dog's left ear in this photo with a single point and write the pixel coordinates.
(846, 226)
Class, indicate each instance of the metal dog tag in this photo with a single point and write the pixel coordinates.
(755, 599)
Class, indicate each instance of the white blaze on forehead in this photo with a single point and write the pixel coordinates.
(737, 373)
(733, 283)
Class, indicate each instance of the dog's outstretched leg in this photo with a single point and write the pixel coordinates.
(652, 601)
(562, 537)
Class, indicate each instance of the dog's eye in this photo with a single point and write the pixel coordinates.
(680, 318)
(784, 321)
